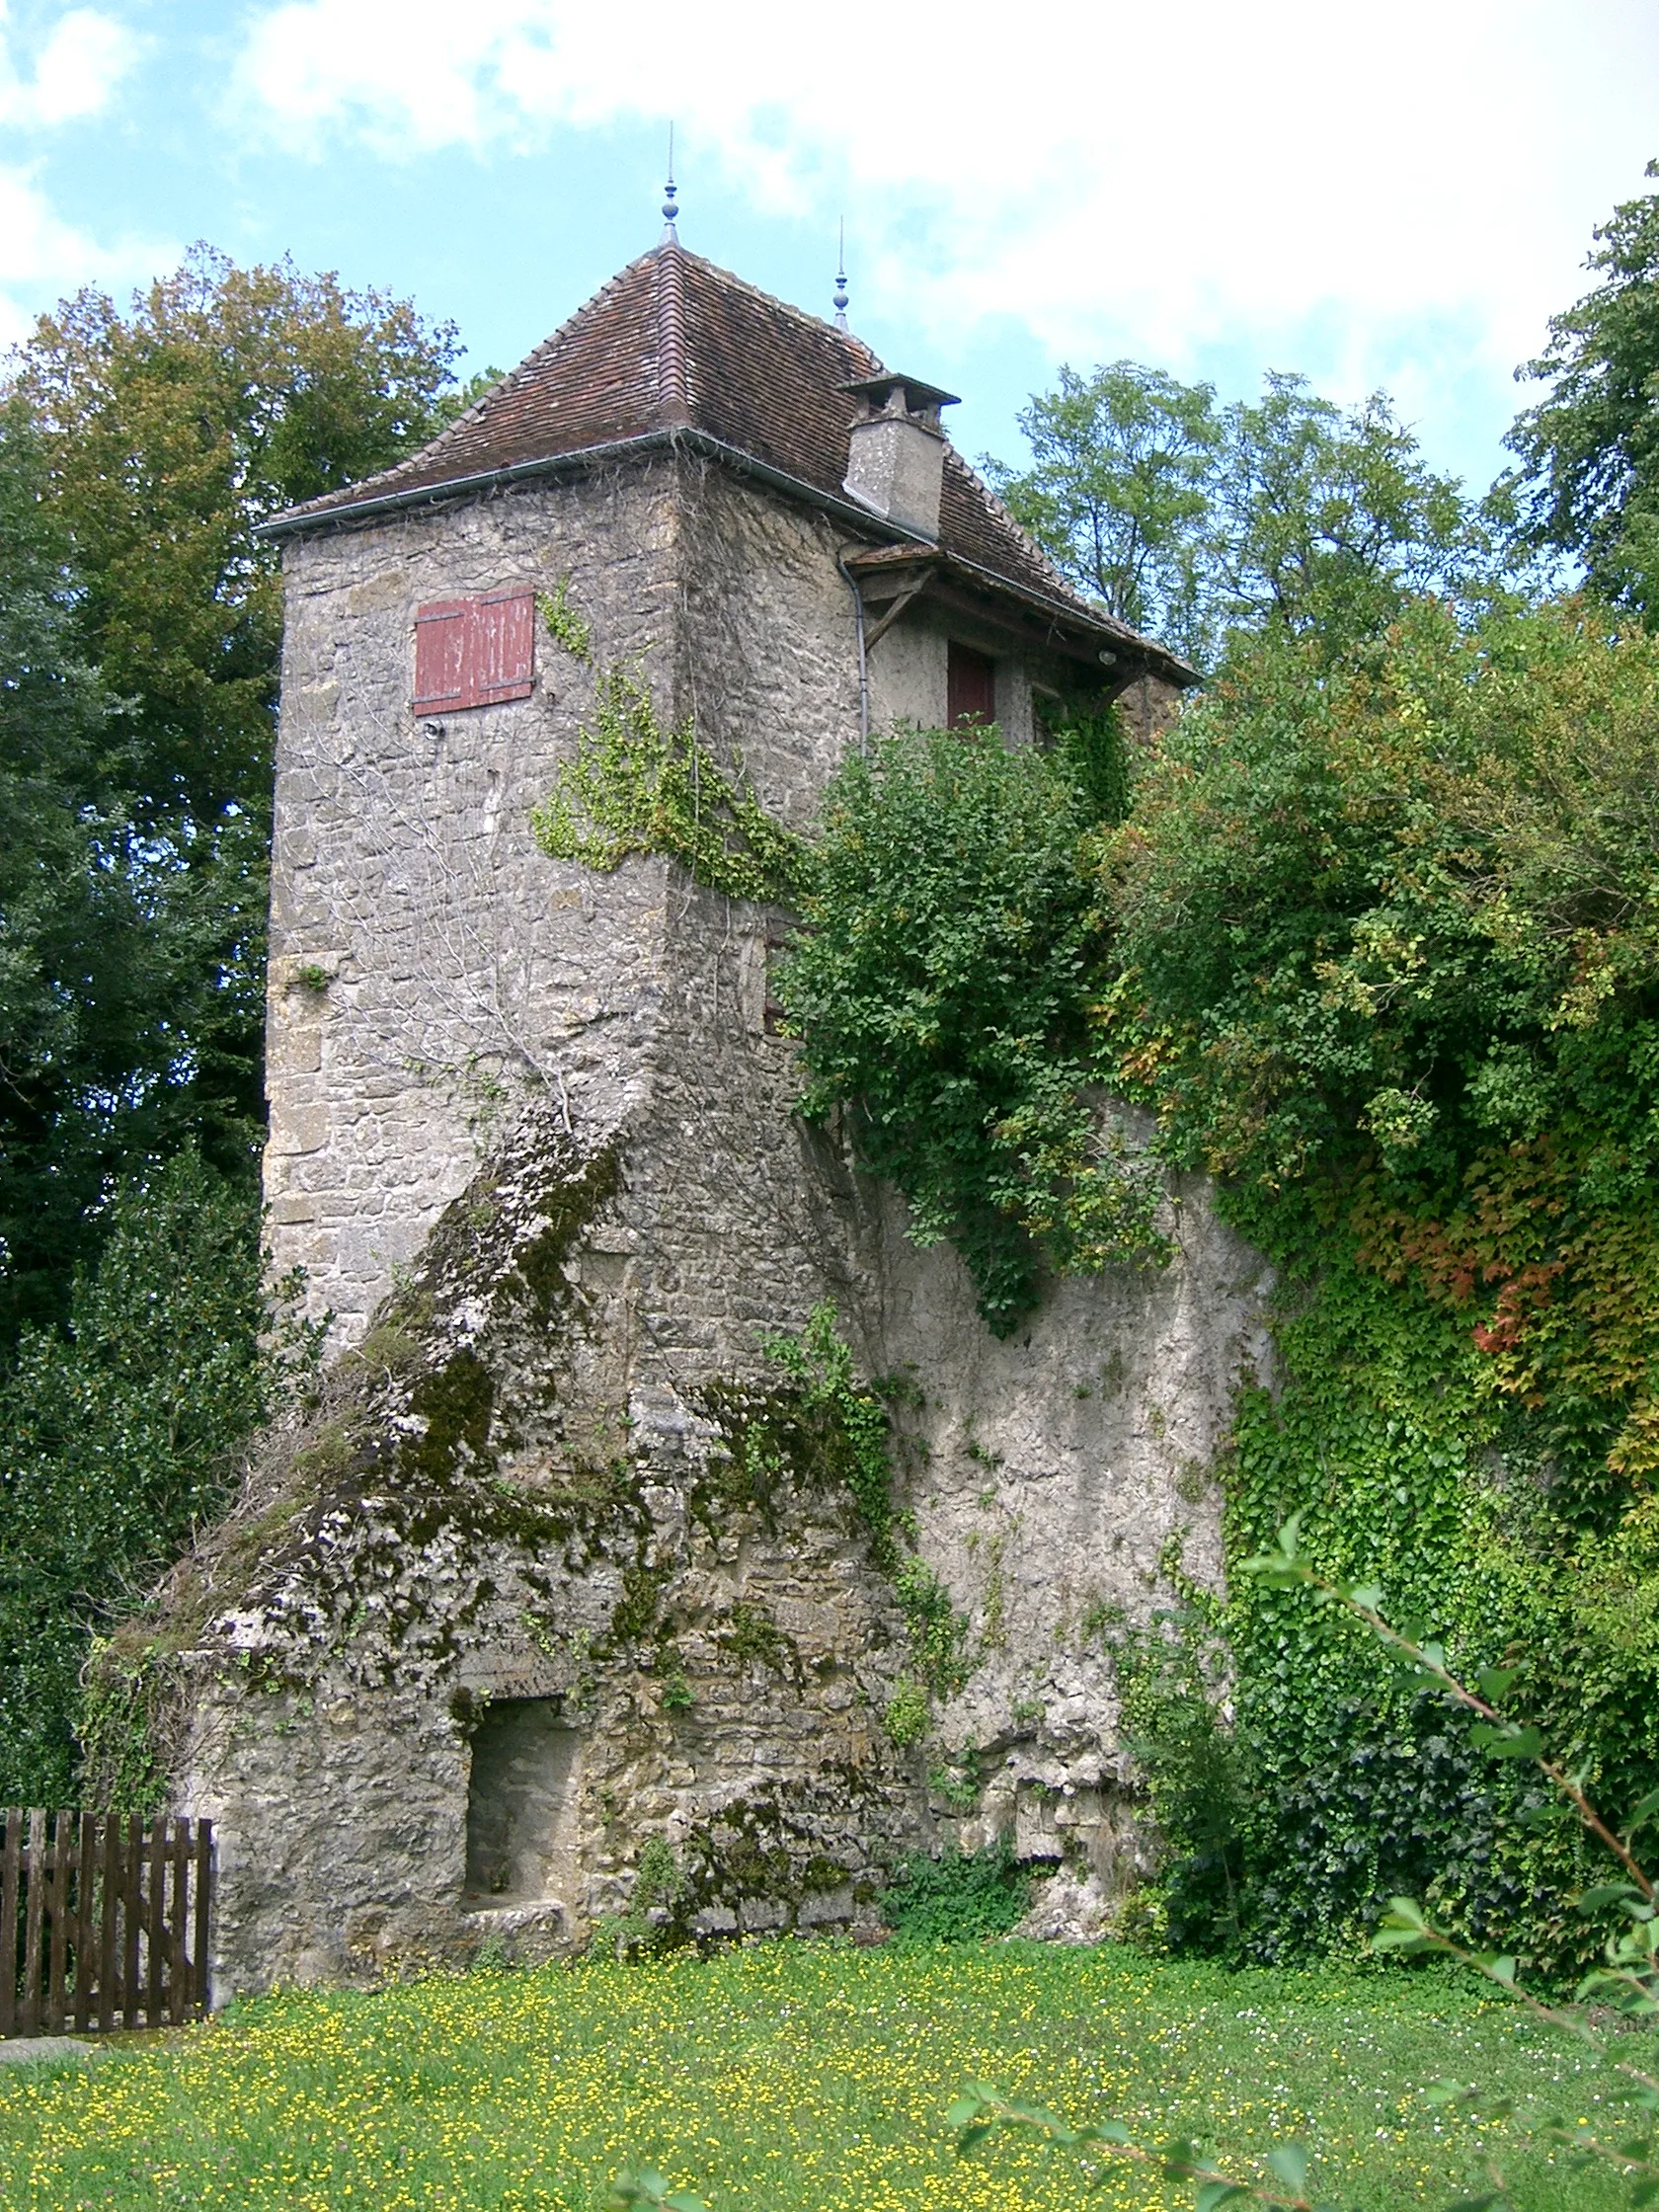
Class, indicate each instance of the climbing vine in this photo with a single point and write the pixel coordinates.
(636, 786)
(830, 1428)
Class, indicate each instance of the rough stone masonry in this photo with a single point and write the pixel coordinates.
(557, 1580)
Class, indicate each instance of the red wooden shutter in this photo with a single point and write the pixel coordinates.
(505, 651)
(441, 656)
(474, 653)
(970, 687)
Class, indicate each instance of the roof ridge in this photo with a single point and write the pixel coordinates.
(674, 392)
(801, 315)
(450, 433)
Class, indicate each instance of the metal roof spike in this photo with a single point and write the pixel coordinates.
(670, 236)
(840, 282)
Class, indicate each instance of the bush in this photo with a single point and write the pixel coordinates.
(960, 1897)
(941, 989)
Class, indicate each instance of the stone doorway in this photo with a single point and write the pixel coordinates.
(523, 1806)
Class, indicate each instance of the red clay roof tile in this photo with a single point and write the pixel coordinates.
(673, 342)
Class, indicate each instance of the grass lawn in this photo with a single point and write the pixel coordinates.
(787, 2075)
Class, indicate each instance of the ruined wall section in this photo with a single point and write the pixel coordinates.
(517, 1597)
(1058, 1473)
(427, 960)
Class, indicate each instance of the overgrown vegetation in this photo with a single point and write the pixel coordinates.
(1408, 1018)
(1614, 1999)
(959, 1897)
(117, 1440)
(636, 787)
(942, 984)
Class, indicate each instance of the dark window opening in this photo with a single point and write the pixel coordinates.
(522, 1804)
(970, 687)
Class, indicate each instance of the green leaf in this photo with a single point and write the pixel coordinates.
(1606, 1893)
(1506, 1740)
(1288, 2161)
(1212, 2193)
(1495, 1683)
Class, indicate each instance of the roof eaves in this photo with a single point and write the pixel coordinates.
(301, 519)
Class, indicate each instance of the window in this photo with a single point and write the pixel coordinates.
(970, 687)
(474, 653)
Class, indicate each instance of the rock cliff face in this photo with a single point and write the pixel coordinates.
(561, 1565)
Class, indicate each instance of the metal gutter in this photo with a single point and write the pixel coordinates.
(301, 519)
(688, 436)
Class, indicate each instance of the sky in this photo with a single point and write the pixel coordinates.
(1388, 197)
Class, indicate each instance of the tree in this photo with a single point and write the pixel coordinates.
(116, 1436)
(1588, 483)
(1118, 492)
(1324, 524)
(139, 627)
(1206, 526)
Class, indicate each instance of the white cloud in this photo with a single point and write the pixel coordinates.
(41, 257)
(74, 72)
(1417, 183)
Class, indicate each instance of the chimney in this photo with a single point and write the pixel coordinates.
(896, 463)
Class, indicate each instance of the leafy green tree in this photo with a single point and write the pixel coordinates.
(1385, 958)
(1588, 483)
(169, 433)
(1206, 525)
(139, 626)
(1118, 491)
(116, 1440)
(1324, 524)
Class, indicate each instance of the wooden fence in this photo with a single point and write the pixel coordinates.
(108, 1921)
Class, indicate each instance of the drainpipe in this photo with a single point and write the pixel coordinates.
(863, 664)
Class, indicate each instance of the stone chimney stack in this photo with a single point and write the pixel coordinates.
(896, 463)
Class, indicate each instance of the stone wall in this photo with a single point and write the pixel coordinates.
(520, 1595)
(425, 960)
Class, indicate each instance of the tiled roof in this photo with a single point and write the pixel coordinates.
(672, 343)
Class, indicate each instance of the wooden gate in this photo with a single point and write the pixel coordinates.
(107, 1919)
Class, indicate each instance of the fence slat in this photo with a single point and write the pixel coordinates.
(9, 1867)
(109, 1977)
(58, 1908)
(34, 1868)
(201, 1970)
(156, 1942)
(132, 1992)
(178, 1922)
(86, 1864)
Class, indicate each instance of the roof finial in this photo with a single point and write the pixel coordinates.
(670, 236)
(840, 281)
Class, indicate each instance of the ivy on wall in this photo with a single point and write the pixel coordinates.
(1385, 958)
(637, 786)
(942, 988)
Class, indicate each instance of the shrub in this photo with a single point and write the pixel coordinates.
(960, 1897)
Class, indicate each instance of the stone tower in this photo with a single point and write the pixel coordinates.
(559, 1566)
